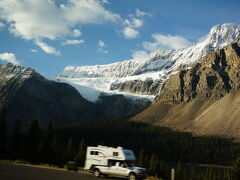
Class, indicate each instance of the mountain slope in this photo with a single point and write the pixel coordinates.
(141, 76)
(203, 99)
(28, 95)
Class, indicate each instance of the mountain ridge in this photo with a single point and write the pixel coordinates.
(203, 99)
(157, 66)
(28, 95)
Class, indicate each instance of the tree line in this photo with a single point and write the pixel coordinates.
(37, 145)
(158, 149)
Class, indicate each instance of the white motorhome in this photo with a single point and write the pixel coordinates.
(109, 161)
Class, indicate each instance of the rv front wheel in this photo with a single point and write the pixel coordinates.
(132, 176)
(96, 173)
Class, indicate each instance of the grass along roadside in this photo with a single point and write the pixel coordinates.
(21, 162)
(48, 166)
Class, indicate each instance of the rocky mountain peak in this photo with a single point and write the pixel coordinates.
(222, 35)
(146, 76)
(216, 76)
(225, 29)
(15, 71)
(203, 99)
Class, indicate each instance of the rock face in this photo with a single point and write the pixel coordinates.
(216, 76)
(138, 87)
(28, 95)
(135, 75)
(203, 99)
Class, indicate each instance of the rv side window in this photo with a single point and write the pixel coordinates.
(94, 152)
(111, 163)
(115, 153)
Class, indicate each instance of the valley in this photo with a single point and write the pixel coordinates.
(133, 89)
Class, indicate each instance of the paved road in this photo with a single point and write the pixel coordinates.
(25, 172)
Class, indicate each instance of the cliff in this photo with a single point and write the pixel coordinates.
(203, 99)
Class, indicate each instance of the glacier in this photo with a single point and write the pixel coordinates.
(159, 65)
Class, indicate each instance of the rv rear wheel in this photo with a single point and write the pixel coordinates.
(132, 176)
(96, 173)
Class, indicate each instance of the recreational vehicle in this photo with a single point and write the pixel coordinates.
(109, 161)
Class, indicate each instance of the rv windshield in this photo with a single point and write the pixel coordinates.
(129, 163)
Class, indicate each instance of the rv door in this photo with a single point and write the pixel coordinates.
(113, 168)
(122, 169)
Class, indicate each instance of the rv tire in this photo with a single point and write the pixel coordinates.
(96, 173)
(132, 176)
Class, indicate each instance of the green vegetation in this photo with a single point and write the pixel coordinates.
(3, 132)
(163, 143)
(158, 149)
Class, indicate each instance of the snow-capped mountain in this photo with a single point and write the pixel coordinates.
(28, 94)
(155, 68)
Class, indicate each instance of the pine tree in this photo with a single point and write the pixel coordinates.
(140, 161)
(69, 155)
(192, 173)
(81, 154)
(237, 168)
(163, 170)
(46, 144)
(15, 140)
(153, 165)
(32, 150)
(3, 132)
(179, 172)
(57, 152)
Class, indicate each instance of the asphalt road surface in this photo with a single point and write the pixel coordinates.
(25, 172)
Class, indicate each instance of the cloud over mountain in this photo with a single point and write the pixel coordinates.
(39, 19)
(166, 42)
(9, 57)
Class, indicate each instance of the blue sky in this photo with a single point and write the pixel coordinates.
(49, 35)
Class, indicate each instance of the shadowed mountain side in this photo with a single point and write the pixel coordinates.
(28, 95)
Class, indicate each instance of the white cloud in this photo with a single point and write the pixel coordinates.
(133, 23)
(127, 22)
(130, 33)
(140, 55)
(46, 48)
(39, 19)
(101, 46)
(142, 13)
(105, 2)
(33, 50)
(34, 19)
(1, 25)
(101, 50)
(166, 42)
(86, 12)
(77, 33)
(9, 57)
(72, 42)
(101, 43)
(137, 22)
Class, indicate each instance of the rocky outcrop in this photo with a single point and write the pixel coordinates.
(28, 95)
(138, 87)
(203, 99)
(215, 77)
